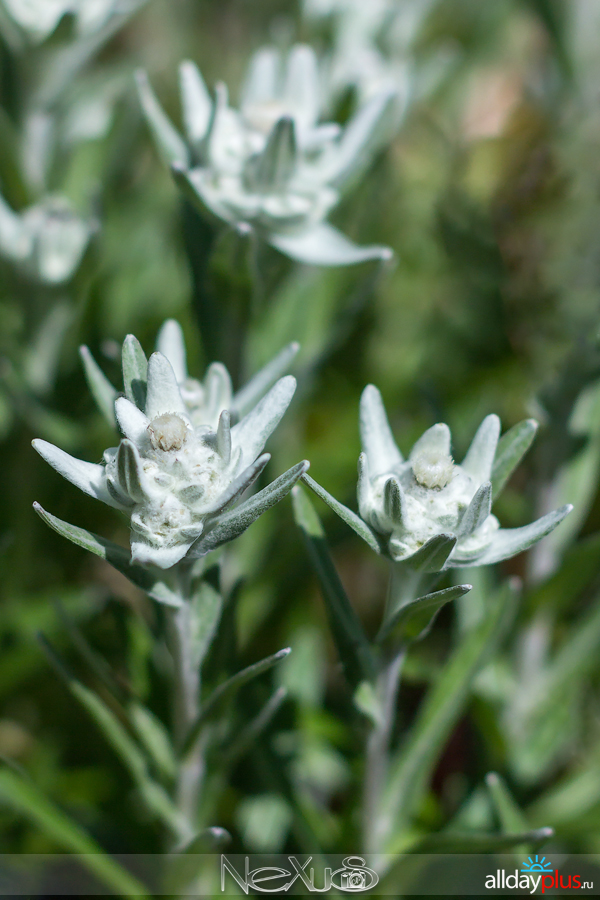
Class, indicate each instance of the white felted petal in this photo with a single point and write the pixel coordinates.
(375, 433)
(217, 385)
(251, 434)
(508, 542)
(197, 104)
(88, 477)
(163, 557)
(132, 421)
(324, 245)
(436, 440)
(479, 461)
(163, 394)
(301, 92)
(171, 344)
(260, 84)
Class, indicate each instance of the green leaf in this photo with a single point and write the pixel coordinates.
(102, 390)
(155, 739)
(351, 642)
(511, 819)
(432, 556)
(135, 371)
(414, 619)
(244, 741)
(152, 581)
(236, 521)
(205, 614)
(227, 690)
(511, 449)
(26, 799)
(171, 145)
(413, 765)
(448, 842)
(345, 514)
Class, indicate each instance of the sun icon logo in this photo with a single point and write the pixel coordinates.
(537, 865)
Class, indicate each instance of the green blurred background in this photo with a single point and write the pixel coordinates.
(489, 196)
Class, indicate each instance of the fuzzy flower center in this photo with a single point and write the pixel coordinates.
(167, 432)
(433, 469)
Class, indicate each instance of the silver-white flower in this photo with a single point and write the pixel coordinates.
(182, 463)
(47, 240)
(271, 164)
(411, 504)
(39, 18)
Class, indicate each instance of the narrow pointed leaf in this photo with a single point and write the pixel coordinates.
(510, 541)
(132, 421)
(260, 83)
(252, 433)
(29, 801)
(511, 449)
(171, 344)
(217, 385)
(413, 620)
(479, 460)
(360, 138)
(277, 163)
(155, 739)
(163, 394)
(102, 390)
(239, 485)
(170, 143)
(392, 500)
(251, 393)
(351, 642)
(88, 477)
(346, 515)
(151, 582)
(228, 689)
(197, 103)
(433, 555)
(415, 761)
(376, 435)
(435, 440)
(233, 523)
(302, 84)
(324, 245)
(455, 842)
(477, 511)
(135, 371)
(244, 741)
(511, 819)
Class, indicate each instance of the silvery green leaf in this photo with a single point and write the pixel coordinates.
(478, 510)
(171, 344)
(228, 689)
(239, 485)
(224, 436)
(324, 245)
(163, 395)
(165, 557)
(392, 500)
(359, 138)
(432, 556)
(205, 611)
(135, 371)
(169, 141)
(132, 421)
(250, 394)
(197, 104)
(414, 619)
(217, 385)
(368, 703)
(375, 433)
(508, 542)
(347, 516)
(351, 642)
(235, 522)
(102, 390)
(512, 820)
(243, 741)
(252, 432)
(88, 477)
(479, 460)
(512, 447)
(436, 441)
(132, 479)
(153, 583)
(155, 739)
(275, 165)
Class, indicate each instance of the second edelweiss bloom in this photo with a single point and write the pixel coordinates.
(181, 464)
(412, 503)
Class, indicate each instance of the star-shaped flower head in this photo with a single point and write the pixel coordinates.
(271, 165)
(182, 464)
(429, 511)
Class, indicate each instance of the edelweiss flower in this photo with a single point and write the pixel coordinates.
(270, 165)
(182, 464)
(40, 17)
(428, 510)
(48, 240)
